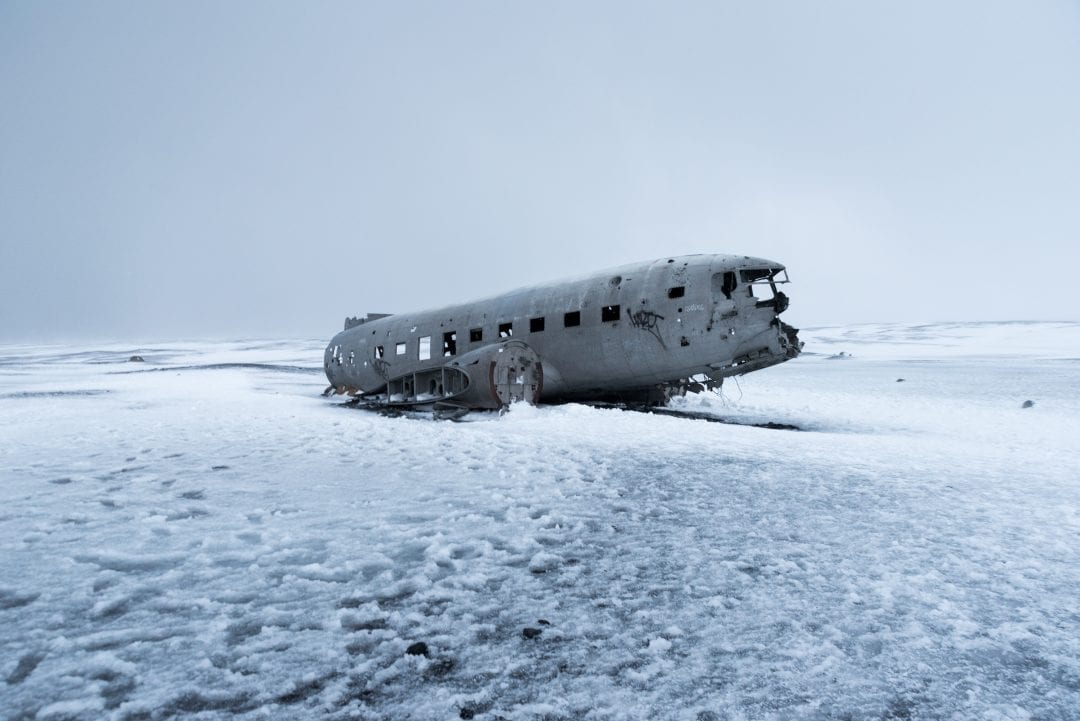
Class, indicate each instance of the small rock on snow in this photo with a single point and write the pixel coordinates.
(417, 649)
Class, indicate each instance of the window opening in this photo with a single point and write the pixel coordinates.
(572, 319)
(761, 291)
(379, 351)
(609, 313)
(750, 275)
(759, 282)
(476, 335)
(506, 330)
(424, 348)
(677, 292)
(449, 343)
(400, 349)
(536, 325)
(729, 284)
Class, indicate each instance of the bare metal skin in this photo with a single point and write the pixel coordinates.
(638, 333)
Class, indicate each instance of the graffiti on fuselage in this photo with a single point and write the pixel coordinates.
(382, 368)
(647, 320)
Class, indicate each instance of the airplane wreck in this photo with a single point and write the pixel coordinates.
(638, 334)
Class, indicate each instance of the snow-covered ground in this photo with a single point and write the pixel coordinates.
(203, 536)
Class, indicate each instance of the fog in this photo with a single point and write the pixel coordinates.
(265, 169)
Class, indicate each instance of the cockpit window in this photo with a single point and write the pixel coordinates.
(757, 275)
(761, 282)
(762, 290)
(757, 282)
(750, 275)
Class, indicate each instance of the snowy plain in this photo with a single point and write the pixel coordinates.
(201, 535)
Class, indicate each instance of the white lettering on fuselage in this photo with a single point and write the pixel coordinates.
(695, 306)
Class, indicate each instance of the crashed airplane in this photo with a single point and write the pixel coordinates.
(637, 334)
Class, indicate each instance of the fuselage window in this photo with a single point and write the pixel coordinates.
(536, 325)
(400, 348)
(572, 319)
(677, 292)
(424, 348)
(449, 343)
(379, 351)
(506, 330)
(609, 313)
(476, 335)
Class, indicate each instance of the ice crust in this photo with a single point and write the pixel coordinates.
(203, 536)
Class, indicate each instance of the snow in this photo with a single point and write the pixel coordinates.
(202, 535)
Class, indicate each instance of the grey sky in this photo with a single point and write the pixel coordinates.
(258, 169)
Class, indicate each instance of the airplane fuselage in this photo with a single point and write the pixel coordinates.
(615, 333)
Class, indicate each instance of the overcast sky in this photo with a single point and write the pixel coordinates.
(255, 169)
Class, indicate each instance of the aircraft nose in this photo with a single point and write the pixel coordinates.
(781, 302)
(790, 336)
